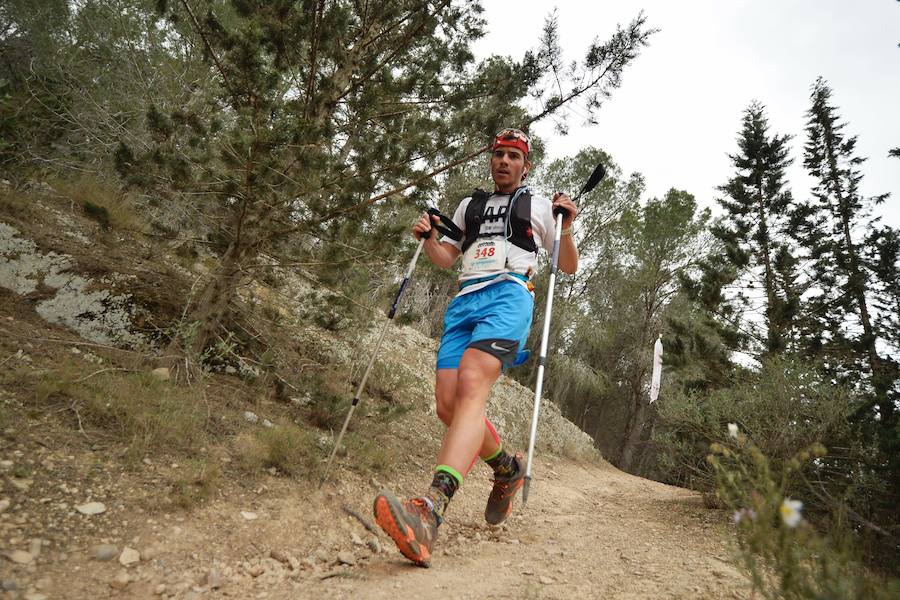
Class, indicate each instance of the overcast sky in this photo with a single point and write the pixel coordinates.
(678, 111)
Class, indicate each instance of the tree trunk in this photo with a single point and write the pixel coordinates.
(773, 324)
(880, 380)
(207, 312)
(214, 300)
(638, 408)
(634, 430)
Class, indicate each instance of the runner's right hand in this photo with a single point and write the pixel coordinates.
(425, 226)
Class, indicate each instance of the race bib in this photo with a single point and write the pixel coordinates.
(485, 255)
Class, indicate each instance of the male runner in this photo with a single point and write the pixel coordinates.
(485, 328)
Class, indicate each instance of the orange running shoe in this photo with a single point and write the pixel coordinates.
(499, 504)
(411, 524)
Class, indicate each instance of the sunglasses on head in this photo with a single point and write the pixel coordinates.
(513, 134)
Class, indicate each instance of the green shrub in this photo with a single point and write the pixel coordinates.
(98, 213)
(327, 410)
(387, 380)
(780, 550)
(289, 449)
(368, 455)
(784, 406)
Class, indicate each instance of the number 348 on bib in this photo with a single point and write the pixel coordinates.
(486, 255)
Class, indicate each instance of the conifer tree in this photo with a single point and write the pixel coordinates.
(607, 316)
(704, 326)
(841, 315)
(752, 228)
(883, 259)
(663, 240)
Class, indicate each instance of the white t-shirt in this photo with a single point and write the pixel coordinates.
(518, 260)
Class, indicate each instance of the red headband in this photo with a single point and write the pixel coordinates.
(513, 138)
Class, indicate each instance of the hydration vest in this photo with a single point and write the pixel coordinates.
(517, 216)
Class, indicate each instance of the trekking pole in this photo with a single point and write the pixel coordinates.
(446, 227)
(592, 182)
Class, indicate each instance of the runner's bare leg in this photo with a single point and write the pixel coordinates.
(467, 431)
(445, 396)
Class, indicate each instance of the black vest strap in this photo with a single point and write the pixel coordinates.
(519, 220)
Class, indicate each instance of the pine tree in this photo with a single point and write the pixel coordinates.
(664, 239)
(841, 314)
(883, 260)
(705, 327)
(752, 227)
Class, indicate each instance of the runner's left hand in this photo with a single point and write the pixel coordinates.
(563, 202)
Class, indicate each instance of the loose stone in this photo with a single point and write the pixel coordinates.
(129, 557)
(105, 552)
(20, 557)
(91, 508)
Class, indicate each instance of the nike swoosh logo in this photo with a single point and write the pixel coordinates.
(498, 348)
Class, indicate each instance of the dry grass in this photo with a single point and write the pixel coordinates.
(388, 381)
(203, 479)
(285, 447)
(102, 201)
(369, 455)
(16, 203)
(134, 409)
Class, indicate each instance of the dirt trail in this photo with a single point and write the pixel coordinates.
(588, 531)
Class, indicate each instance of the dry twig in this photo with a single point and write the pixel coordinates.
(359, 518)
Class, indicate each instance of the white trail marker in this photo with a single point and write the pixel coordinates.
(657, 369)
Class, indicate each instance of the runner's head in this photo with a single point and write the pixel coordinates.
(509, 159)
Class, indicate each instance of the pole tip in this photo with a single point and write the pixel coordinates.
(525, 490)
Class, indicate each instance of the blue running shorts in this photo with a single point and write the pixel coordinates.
(495, 319)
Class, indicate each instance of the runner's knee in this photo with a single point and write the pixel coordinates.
(445, 395)
(472, 386)
(444, 407)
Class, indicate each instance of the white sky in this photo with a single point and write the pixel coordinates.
(677, 114)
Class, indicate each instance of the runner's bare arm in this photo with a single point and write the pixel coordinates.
(442, 254)
(568, 253)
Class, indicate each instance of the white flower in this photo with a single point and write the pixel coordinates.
(790, 512)
(733, 430)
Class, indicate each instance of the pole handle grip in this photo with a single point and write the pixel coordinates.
(446, 226)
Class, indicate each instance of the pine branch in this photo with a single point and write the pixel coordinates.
(407, 38)
(618, 61)
(342, 212)
(318, 13)
(209, 48)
